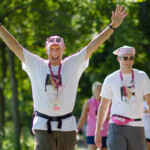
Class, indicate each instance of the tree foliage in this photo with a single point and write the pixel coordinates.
(32, 21)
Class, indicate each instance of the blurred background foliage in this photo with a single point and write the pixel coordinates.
(32, 21)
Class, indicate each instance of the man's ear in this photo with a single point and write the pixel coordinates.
(118, 59)
(63, 50)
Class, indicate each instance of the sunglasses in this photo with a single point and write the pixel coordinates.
(125, 58)
(51, 40)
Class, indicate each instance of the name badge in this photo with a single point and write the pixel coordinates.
(56, 103)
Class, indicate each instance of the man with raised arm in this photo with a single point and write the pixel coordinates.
(54, 84)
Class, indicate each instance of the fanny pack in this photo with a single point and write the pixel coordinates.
(52, 118)
(121, 120)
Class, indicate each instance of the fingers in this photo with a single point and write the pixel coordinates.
(121, 8)
(123, 13)
(117, 8)
(98, 141)
(113, 13)
(119, 11)
(98, 144)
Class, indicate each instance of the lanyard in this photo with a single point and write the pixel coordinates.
(58, 78)
(132, 82)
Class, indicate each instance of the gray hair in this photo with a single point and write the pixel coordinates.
(95, 85)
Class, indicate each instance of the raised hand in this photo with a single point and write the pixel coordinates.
(118, 16)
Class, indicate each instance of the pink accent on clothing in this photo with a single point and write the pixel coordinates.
(91, 119)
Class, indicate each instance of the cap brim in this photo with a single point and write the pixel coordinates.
(116, 52)
(52, 44)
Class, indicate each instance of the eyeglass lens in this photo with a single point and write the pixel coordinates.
(52, 39)
(128, 58)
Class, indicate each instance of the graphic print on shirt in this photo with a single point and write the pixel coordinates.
(130, 93)
(50, 86)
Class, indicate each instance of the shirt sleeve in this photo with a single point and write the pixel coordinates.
(31, 62)
(106, 89)
(77, 62)
(146, 84)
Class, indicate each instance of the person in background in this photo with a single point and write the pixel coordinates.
(126, 88)
(90, 110)
(146, 121)
(54, 125)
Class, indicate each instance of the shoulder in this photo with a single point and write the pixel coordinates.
(112, 75)
(82, 52)
(28, 55)
(91, 100)
(140, 73)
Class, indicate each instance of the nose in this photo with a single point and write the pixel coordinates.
(55, 51)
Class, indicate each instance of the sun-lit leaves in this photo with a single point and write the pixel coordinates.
(32, 21)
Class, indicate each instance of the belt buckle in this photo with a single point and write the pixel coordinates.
(54, 119)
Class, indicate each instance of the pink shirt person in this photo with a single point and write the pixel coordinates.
(92, 118)
(90, 110)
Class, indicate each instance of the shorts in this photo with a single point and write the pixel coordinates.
(126, 137)
(63, 140)
(90, 140)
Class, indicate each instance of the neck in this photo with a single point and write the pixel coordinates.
(126, 71)
(54, 64)
(97, 98)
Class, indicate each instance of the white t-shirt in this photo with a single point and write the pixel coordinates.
(130, 106)
(146, 121)
(43, 92)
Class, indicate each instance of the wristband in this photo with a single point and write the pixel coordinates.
(0, 23)
(79, 129)
(110, 26)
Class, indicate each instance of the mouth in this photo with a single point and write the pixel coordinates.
(55, 58)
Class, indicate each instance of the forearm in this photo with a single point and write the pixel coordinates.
(101, 38)
(98, 40)
(102, 115)
(117, 18)
(80, 123)
(8, 38)
(12, 43)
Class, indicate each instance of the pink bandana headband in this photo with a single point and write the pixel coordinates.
(54, 40)
(124, 50)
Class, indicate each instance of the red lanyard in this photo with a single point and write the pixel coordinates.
(132, 82)
(52, 74)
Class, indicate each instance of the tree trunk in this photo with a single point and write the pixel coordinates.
(2, 99)
(15, 111)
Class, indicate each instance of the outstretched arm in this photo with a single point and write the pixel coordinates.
(12, 43)
(117, 18)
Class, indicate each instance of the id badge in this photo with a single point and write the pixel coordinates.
(56, 103)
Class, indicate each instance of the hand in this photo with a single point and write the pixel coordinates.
(98, 140)
(79, 131)
(118, 16)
